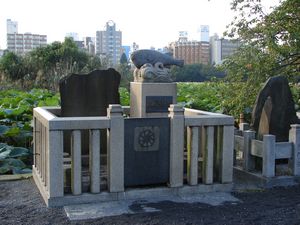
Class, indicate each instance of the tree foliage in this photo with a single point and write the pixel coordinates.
(271, 46)
(271, 41)
(195, 73)
(123, 59)
(124, 69)
(44, 67)
(12, 65)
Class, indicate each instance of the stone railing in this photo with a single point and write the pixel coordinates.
(210, 142)
(247, 148)
(206, 164)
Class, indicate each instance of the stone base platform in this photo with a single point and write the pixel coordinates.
(134, 194)
(248, 180)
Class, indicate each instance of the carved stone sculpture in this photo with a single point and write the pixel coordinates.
(149, 73)
(141, 57)
(153, 66)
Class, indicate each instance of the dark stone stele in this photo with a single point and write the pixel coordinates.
(88, 95)
(283, 112)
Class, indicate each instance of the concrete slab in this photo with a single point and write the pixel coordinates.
(115, 208)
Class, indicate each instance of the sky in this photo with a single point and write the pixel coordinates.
(147, 22)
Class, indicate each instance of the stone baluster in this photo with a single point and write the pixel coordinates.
(208, 157)
(193, 154)
(94, 147)
(76, 162)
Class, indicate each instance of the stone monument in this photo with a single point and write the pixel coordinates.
(147, 136)
(88, 95)
(152, 91)
(274, 109)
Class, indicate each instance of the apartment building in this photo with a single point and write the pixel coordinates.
(192, 52)
(109, 43)
(23, 43)
(221, 48)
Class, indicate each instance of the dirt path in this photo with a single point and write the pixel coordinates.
(21, 203)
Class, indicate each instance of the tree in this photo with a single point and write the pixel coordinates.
(124, 69)
(195, 73)
(12, 66)
(123, 59)
(271, 46)
(273, 37)
(43, 67)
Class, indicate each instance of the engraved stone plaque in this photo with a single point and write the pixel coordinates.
(158, 104)
(146, 151)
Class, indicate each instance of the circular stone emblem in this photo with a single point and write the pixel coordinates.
(146, 138)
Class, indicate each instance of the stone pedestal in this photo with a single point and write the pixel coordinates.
(151, 99)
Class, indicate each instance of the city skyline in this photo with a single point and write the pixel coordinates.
(156, 24)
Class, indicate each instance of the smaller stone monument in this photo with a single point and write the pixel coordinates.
(152, 91)
(274, 109)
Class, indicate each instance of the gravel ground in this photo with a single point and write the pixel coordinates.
(21, 203)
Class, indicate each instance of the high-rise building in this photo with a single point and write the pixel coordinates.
(109, 43)
(192, 52)
(222, 48)
(215, 50)
(23, 43)
(89, 44)
(204, 33)
(73, 35)
(11, 26)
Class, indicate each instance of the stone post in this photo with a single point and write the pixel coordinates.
(115, 151)
(227, 154)
(176, 114)
(55, 164)
(268, 168)
(249, 162)
(294, 137)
